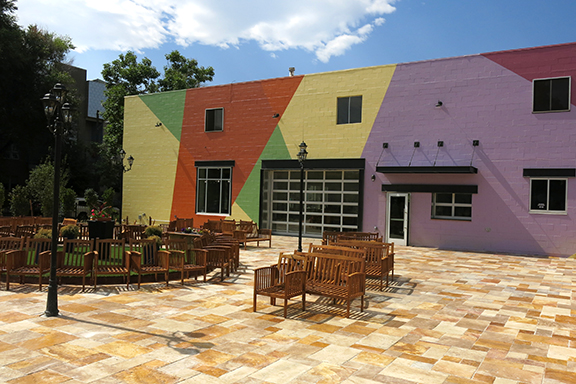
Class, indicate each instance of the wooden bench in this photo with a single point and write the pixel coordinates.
(379, 257)
(249, 232)
(32, 260)
(329, 237)
(284, 280)
(336, 276)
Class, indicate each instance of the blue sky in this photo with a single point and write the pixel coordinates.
(245, 40)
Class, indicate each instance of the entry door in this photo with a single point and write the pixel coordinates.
(397, 218)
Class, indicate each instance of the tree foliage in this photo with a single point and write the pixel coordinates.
(41, 186)
(30, 64)
(126, 76)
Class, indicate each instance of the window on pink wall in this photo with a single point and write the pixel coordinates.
(455, 206)
(548, 195)
(551, 95)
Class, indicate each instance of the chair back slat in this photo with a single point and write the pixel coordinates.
(110, 252)
(147, 248)
(74, 251)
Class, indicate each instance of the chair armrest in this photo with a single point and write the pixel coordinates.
(15, 259)
(44, 260)
(199, 256)
(240, 235)
(265, 232)
(176, 258)
(135, 259)
(163, 258)
(295, 282)
(88, 261)
(356, 282)
(265, 277)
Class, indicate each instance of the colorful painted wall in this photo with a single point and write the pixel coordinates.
(485, 97)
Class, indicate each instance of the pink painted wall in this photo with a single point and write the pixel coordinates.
(482, 100)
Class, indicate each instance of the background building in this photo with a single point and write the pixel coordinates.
(471, 152)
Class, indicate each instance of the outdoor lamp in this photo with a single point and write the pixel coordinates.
(122, 154)
(303, 153)
(130, 161)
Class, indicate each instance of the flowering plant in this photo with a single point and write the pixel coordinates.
(102, 212)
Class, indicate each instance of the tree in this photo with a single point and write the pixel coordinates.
(19, 201)
(126, 76)
(31, 64)
(183, 73)
(40, 186)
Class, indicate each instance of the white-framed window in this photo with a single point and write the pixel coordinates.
(551, 95)
(548, 195)
(457, 206)
(214, 121)
(213, 190)
(349, 110)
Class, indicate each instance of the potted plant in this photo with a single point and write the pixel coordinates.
(101, 225)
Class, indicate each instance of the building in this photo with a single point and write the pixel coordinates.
(470, 153)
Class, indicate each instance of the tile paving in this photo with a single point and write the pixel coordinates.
(448, 317)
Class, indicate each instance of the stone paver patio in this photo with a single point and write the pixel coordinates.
(449, 317)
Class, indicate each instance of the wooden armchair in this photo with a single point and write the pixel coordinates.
(284, 280)
(8, 244)
(111, 258)
(32, 260)
(145, 258)
(187, 261)
(25, 231)
(76, 259)
(5, 230)
(216, 257)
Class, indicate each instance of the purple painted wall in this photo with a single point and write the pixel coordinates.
(482, 101)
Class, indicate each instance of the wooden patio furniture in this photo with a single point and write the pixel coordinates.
(379, 257)
(284, 280)
(111, 258)
(76, 260)
(145, 258)
(8, 244)
(32, 260)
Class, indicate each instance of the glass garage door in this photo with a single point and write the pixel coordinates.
(331, 201)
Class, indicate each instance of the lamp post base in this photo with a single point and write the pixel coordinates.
(52, 300)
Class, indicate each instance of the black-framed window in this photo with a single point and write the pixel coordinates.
(349, 110)
(456, 206)
(551, 95)
(214, 121)
(548, 195)
(213, 190)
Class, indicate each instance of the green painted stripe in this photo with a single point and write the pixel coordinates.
(168, 108)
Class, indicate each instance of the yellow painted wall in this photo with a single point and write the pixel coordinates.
(149, 186)
(311, 114)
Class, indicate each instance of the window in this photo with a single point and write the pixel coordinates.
(214, 120)
(452, 206)
(551, 94)
(548, 195)
(213, 190)
(349, 110)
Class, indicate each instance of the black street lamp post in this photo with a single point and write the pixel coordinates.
(301, 158)
(59, 117)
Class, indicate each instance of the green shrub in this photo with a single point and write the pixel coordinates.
(158, 240)
(19, 201)
(70, 231)
(68, 202)
(91, 198)
(153, 231)
(43, 234)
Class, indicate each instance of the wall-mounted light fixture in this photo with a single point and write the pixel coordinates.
(416, 144)
(373, 177)
(276, 115)
(439, 104)
(158, 124)
(440, 143)
(384, 145)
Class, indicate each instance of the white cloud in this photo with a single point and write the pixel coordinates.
(326, 27)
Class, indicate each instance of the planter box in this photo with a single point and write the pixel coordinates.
(100, 229)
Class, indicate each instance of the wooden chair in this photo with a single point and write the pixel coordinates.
(133, 232)
(8, 244)
(216, 257)
(25, 231)
(145, 258)
(5, 230)
(111, 258)
(76, 260)
(284, 280)
(187, 261)
(32, 260)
